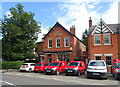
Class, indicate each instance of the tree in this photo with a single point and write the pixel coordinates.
(85, 39)
(19, 34)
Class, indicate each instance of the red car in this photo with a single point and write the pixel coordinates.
(75, 68)
(55, 67)
(116, 68)
(40, 67)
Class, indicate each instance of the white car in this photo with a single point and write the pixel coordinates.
(97, 68)
(27, 67)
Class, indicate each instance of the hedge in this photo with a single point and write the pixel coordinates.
(11, 65)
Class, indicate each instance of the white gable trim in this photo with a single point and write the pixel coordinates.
(104, 24)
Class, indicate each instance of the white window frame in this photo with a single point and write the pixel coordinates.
(65, 42)
(109, 39)
(94, 39)
(57, 43)
(48, 43)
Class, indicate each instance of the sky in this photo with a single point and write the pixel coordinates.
(66, 12)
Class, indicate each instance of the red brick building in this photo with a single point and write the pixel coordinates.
(104, 42)
(60, 44)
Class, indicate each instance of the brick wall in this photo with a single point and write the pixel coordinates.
(103, 49)
(75, 45)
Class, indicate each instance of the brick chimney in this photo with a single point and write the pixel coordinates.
(90, 22)
(72, 29)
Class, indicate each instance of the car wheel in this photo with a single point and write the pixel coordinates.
(78, 73)
(57, 72)
(21, 71)
(35, 71)
(46, 73)
(30, 70)
(66, 74)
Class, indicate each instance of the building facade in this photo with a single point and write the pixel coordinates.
(104, 42)
(60, 44)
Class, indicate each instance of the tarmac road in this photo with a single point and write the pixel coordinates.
(16, 78)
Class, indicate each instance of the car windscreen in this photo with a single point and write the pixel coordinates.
(116, 65)
(53, 64)
(38, 64)
(24, 64)
(97, 63)
(73, 64)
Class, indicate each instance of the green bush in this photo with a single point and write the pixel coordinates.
(11, 65)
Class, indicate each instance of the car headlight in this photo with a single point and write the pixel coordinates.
(45, 68)
(54, 68)
(75, 68)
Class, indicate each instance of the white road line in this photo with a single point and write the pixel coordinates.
(8, 83)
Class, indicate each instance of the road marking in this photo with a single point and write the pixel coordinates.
(8, 83)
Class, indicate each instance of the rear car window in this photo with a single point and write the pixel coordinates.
(46, 64)
(32, 64)
(38, 64)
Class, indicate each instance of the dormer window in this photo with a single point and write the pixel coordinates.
(107, 40)
(97, 40)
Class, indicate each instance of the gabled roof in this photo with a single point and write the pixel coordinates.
(63, 29)
(113, 28)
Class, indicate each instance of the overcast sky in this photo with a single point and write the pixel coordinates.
(67, 12)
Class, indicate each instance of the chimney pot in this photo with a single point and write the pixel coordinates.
(90, 22)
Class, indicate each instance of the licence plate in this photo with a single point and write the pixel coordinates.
(37, 69)
(48, 71)
(70, 71)
(96, 74)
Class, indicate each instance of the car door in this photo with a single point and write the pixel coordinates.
(60, 67)
(45, 65)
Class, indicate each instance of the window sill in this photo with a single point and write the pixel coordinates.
(97, 44)
(67, 46)
(49, 47)
(107, 44)
(109, 65)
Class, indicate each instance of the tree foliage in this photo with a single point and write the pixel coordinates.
(19, 34)
(85, 38)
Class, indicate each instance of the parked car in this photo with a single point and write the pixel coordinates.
(40, 67)
(27, 67)
(116, 68)
(97, 68)
(75, 68)
(55, 67)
